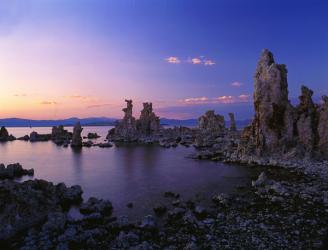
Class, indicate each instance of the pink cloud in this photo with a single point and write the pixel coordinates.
(237, 84)
(196, 61)
(196, 99)
(209, 62)
(48, 103)
(173, 60)
(225, 99)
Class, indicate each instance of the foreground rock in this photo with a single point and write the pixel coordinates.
(14, 170)
(27, 204)
(281, 210)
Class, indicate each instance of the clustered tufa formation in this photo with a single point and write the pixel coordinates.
(129, 129)
(279, 128)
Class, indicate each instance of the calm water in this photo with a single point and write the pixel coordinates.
(138, 174)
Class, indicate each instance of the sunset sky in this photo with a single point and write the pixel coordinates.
(82, 58)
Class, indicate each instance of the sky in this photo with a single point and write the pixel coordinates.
(82, 58)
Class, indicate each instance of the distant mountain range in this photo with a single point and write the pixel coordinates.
(97, 121)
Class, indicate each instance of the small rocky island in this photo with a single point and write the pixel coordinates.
(285, 207)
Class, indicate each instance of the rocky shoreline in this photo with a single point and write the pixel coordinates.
(281, 209)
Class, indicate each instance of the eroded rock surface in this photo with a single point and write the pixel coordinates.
(59, 135)
(24, 205)
(148, 122)
(279, 128)
(232, 122)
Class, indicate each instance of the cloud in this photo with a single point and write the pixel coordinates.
(209, 62)
(78, 97)
(237, 84)
(244, 97)
(48, 103)
(200, 60)
(173, 60)
(196, 60)
(225, 99)
(99, 105)
(196, 99)
(20, 95)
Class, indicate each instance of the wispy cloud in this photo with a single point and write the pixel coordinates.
(198, 60)
(196, 99)
(99, 105)
(78, 97)
(237, 84)
(209, 62)
(173, 60)
(225, 99)
(20, 95)
(201, 60)
(48, 103)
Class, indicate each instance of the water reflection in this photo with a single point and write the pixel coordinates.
(123, 174)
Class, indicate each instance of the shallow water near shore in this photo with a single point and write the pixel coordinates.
(137, 174)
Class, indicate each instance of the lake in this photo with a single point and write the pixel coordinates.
(137, 174)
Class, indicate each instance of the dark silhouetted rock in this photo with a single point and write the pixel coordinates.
(323, 127)
(232, 122)
(77, 138)
(148, 122)
(4, 135)
(59, 135)
(93, 136)
(14, 170)
(34, 137)
(211, 122)
(24, 138)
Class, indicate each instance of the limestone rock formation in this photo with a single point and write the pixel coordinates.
(211, 122)
(306, 123)
(77, 138)
(274, 115)
(323, 127)
(279, 128)
(143, 130)
(232, 122)
(127, 128)
(4, 135)
(211, 128)
(34, 137)
(59, 135)
(148, 122)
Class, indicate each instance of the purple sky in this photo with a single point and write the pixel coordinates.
(63, 58)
